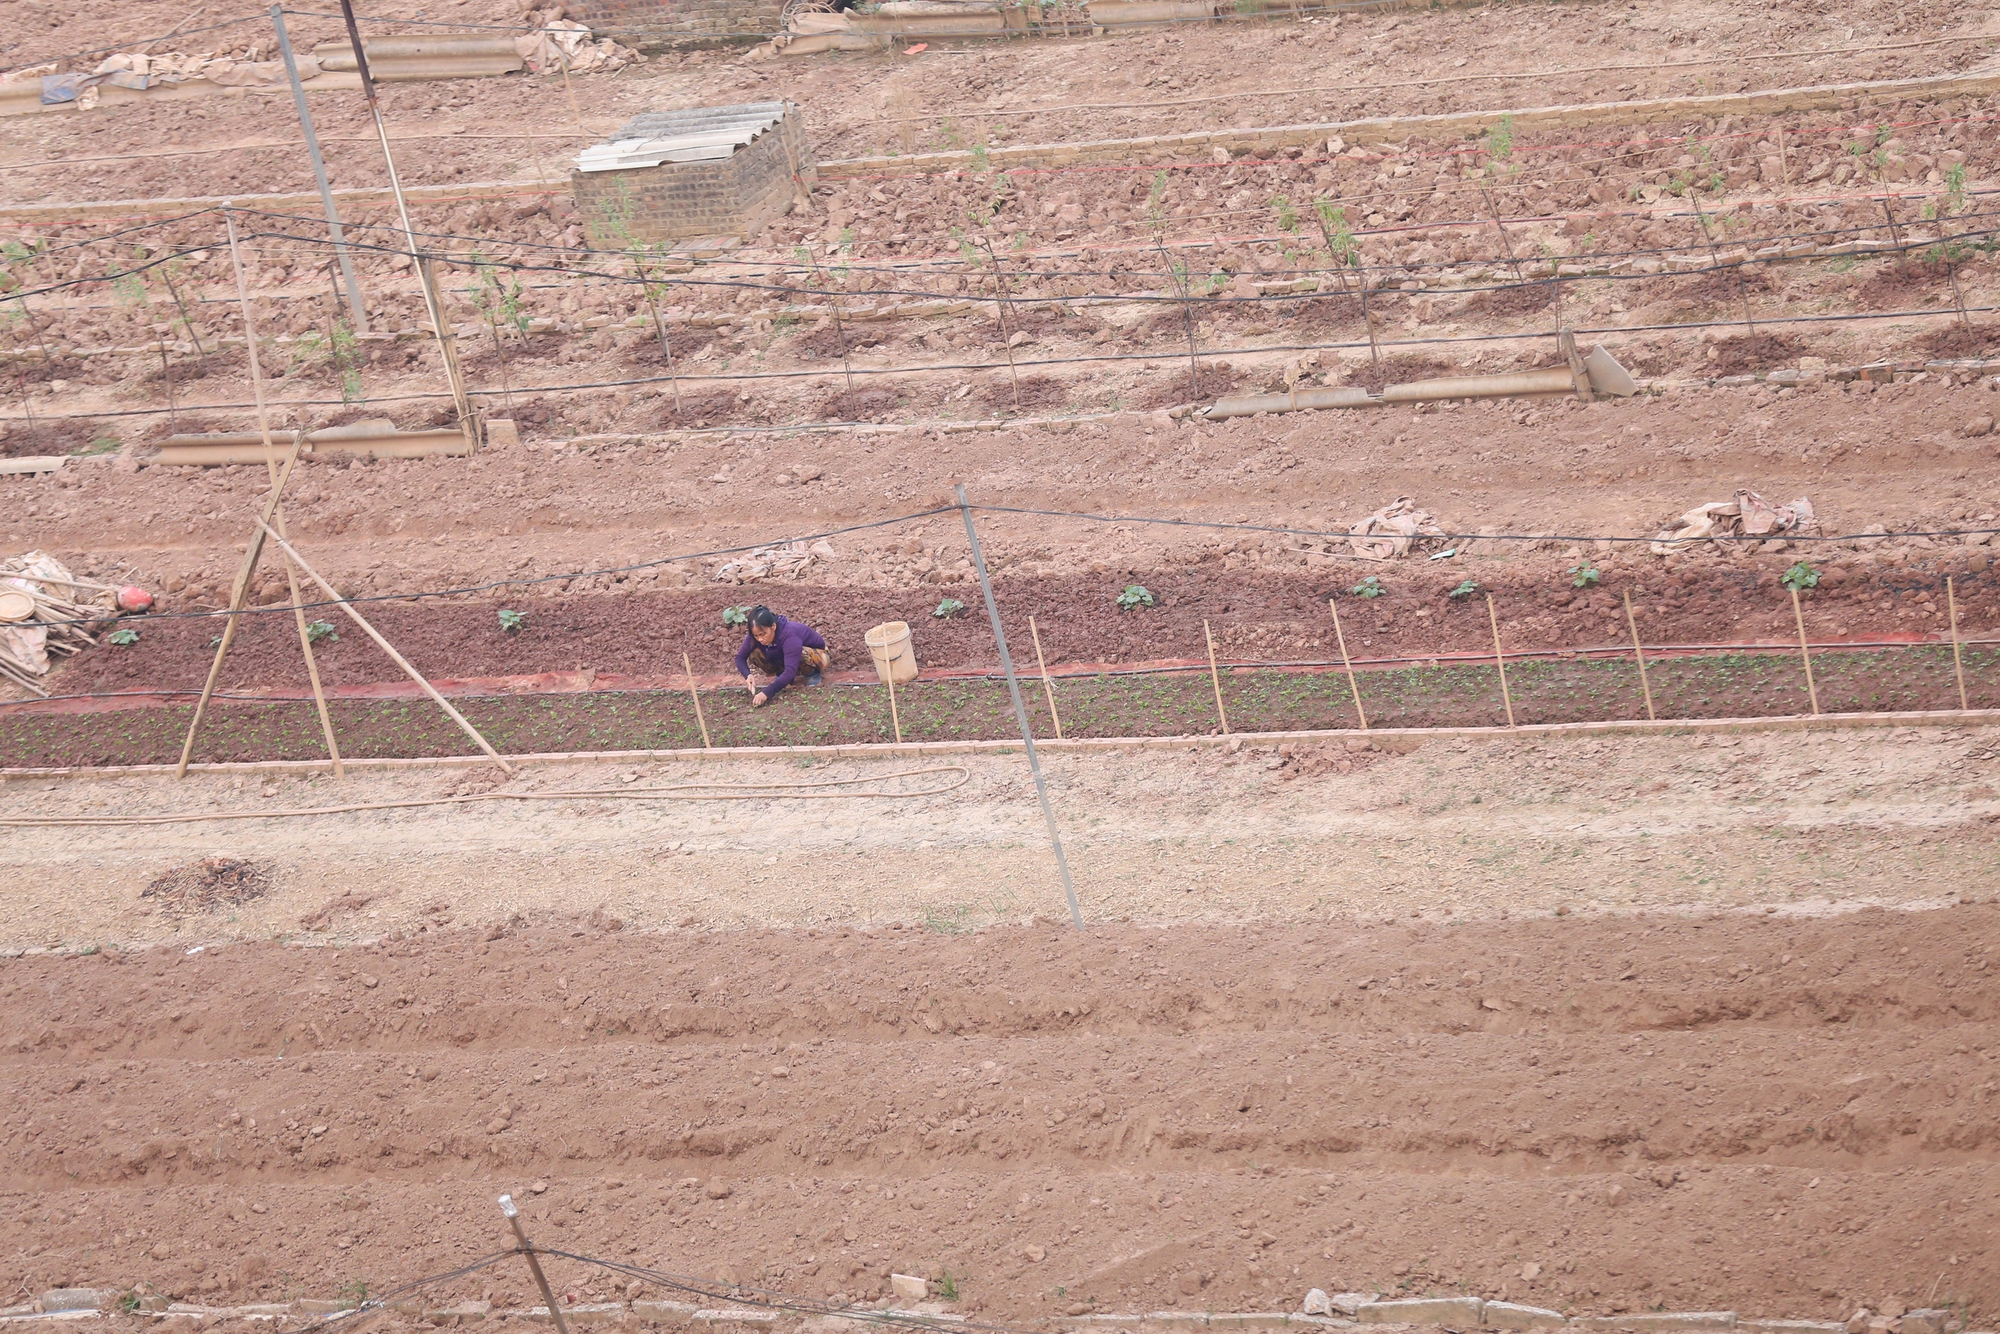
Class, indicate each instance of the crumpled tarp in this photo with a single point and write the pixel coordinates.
(786, 560)
(1749, 515)
(566, 42)
(25, 646)
(1392, 530)
(137, 70)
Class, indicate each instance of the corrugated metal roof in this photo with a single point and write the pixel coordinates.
(698, 134)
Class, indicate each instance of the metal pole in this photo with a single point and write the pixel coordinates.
(1020, 711)
(319, 171)
(527, 1249)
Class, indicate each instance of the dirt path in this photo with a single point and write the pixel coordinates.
(855, 102)
(1452, 830)
(1762, 1114)
(1895, 457)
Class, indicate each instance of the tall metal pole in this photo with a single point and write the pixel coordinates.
(319, 171)
(432, 305)
(1020, 711)
(534, 1265)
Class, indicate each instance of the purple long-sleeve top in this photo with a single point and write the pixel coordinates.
(793, 638)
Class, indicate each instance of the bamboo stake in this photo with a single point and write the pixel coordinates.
(167, 370)
(895, 719)
(1957, 662)
(433, 303)
(1805, 653)
(1048, 687)
(277, 512)
(570, 88)
(659, 327)
(390, 649)
(253, 551)
(299, 619)
(166, 272)
(1353, 685)
(695, 693)
(527, 1250)
(1506, 697)
(1639, 656)
(1215, 678)
(1006, 333)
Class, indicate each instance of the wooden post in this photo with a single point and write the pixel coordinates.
(277, 511)
(1353, 686)
(1579, 377)
(527, 1249)
(1805, 653)
(1048, 687)
(433, 303)
(253, 552)
(390, 649)
(1639, 656)
(1500, 659)
(1957, 662)
(1006, 330)
(895, 718)
(1215, 678)
(695, 694)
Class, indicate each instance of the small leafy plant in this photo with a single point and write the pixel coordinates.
(947, 1286)
(734, 616)
(122, 637)
(1800, 577)
(1134, 597)
(948, 608)
(1584, 576)
(1371, 587)
(511, 621)
(1465, 590)
(319, 630)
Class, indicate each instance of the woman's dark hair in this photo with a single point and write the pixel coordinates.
(762, 618)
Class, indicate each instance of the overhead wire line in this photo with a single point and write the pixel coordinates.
(531, 580)
(1322, 535)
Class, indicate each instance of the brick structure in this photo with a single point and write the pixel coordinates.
(658, 25)
(711, 171)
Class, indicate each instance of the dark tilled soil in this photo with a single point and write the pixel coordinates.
(1756, 352)
(1397, 370)
(1177, 704)
(1255, 617)
(1778, 1116)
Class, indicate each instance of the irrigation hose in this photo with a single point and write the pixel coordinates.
(673, 792)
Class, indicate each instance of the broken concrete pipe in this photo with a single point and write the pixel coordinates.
(1604, 373)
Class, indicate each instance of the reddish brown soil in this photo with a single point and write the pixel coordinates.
(1748, 1113)
(1399, 369)
(1753, 352)
(25, 441)
(1092, 705)
(1254, 616)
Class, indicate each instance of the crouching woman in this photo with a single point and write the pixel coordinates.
(779, 649)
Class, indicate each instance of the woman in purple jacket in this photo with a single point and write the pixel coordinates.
(780, 649)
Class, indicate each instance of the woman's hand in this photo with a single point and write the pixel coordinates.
(759, 700)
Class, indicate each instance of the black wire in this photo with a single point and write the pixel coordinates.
(378, 1303)
(1317, 534)
(1350, 6)
(770, 1299)
(919, 264)
(1210, 355)
(1345, 535)
(287, 608)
